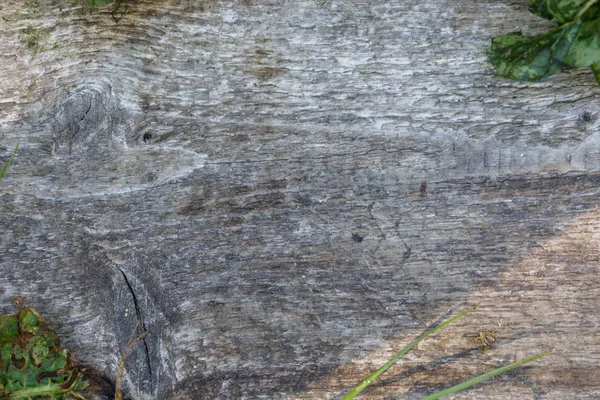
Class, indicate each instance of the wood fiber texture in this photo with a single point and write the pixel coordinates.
(285, 193)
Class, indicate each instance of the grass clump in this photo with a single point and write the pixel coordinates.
(32, 363)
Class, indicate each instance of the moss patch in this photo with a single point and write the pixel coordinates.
(31, 37)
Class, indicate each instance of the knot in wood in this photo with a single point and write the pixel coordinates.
(82, 123)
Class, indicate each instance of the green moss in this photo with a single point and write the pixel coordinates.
(96, 3)
(31, 37)
(9, 329)
(33, 5)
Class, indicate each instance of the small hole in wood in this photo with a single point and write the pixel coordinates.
(586, 116)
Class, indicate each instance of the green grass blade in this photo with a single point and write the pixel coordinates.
(368, 380)
(3, 171)
(483, 377)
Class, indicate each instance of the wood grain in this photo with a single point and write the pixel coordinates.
(286, 192)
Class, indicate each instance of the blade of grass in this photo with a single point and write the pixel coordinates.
(483, 377)
(368, 380)
(133, 339)
(3, 171)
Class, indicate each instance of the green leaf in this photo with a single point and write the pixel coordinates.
(540, 8)
(9, 329)
(3, 170)
(596, 71)
(561, 10)
(574, 44)
(486, 376)
(29, 320)
(32, 363)
(371, 378)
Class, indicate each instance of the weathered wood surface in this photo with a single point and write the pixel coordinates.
(286, 192)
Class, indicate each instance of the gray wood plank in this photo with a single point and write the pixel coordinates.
(284, 193)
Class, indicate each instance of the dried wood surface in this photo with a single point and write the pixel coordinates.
(286, 192)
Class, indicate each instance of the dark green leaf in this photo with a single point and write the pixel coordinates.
(9, 329)
(561, 10)
(540, 8)
(574, 44)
